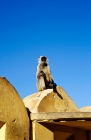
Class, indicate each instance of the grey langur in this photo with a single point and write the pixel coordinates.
(44, 77)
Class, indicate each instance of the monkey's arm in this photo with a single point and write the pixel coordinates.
(38, 73)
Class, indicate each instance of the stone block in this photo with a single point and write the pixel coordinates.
(49, 101)
(13, 112)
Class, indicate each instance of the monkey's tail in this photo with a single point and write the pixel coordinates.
(55, 90)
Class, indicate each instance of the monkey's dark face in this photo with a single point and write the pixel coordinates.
(43, 58)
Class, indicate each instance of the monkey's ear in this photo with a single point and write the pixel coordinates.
(39, 58)
(47, 59)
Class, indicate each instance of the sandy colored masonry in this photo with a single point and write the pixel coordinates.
(49, 116)
(13, 112)
(49, 101)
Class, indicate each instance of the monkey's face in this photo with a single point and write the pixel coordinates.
(42, 59)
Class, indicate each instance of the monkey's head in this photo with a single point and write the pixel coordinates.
(42, 59)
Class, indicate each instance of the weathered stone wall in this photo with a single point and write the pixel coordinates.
(49, 101)
(85, 109)
(13, 112)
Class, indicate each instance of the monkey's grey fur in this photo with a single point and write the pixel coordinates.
(44, 77)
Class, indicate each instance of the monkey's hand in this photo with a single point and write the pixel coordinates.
(41, 74)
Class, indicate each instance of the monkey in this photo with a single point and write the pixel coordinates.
(44, 76)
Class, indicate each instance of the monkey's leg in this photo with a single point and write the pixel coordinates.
(50, 84)
(41, 84)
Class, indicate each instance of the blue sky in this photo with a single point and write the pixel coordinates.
(60, 30)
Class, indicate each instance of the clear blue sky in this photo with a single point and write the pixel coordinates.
(58, 29)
